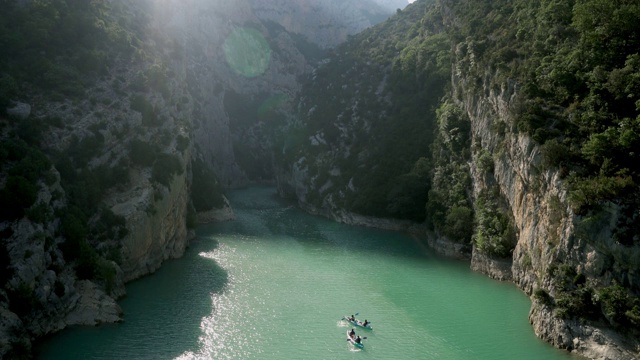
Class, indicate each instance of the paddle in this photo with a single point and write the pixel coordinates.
(347, 317)
(369, 322)
(354, 342)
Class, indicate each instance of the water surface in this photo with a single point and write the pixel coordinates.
(275, 283)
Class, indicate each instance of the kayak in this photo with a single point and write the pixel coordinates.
(358, 323)
(352, 340)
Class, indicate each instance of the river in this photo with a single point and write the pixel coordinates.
(275, 283)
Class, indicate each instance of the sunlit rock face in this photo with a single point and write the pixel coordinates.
(242, 61)
(229, 59)
(548, 231)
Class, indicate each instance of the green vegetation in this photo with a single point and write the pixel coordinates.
(6, 272)
(165, 167)
(495, 232)
(61, 46)
(449, 209)
(311, 51)
(579, 67)
(25, 165)
(613, 304)
(206, 191)
(254, 117)
(182, 143)
(82, 151)
(84, 222)
(142, 105)
(372, 110)
(578, 70)
(142, 153)
(40, 213)
(542, 296)
(22, 300)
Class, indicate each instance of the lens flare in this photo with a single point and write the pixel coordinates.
(247, 52)
(271, 105)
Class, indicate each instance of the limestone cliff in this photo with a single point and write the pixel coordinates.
(111, 207)
(546, 226)
(558, 255)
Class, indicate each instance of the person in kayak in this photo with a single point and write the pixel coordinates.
(352, 333)
(365, 323)
(351, 318)
(358, 339)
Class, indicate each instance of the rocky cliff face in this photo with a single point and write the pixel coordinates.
(157, 228)
(44, 278)
(547, 231)
(236, 70)
(56, 281)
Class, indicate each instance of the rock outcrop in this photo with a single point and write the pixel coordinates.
(547, 235)
(225, 213)
(19, 109)
(157, 229)
(572, 335)
(93, 307)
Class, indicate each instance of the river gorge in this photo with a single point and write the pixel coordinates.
(275, 282)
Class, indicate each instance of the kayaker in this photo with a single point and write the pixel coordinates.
(365, 322)
(352, 318)
(358, 340)
(352, 333)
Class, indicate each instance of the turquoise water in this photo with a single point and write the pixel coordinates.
(275, 283)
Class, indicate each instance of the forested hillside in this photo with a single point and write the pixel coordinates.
(367, 118)
(577, 64)
(511, 128)
(577, 70)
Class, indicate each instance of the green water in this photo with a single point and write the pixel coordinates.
(275, 283)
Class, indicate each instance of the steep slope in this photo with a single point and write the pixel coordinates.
(104, 195)
(366, 118)
(542, 96)
(527, 164)
(241, 74)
